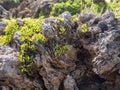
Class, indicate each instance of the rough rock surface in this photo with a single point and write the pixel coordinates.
(92, 63)
(4, 13)
(10, 75)
(30, 8)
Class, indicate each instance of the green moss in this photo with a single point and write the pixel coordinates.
(75, 19)
(114, 7)
(30, 31)
(62, 30)
(10, 29)
(59, 50)
(84, 28)
(72, 7)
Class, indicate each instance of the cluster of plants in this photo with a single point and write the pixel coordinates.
(11, 28)
(71, 6)
(82, 6)
(59, 50)
(30, 32)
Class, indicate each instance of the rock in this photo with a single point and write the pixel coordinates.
(32, 8)
(2, 27)
(108, 52)
(19, 22)
(4, 13)
(47, 30)
(91, 63)
(86, 17)
(10, 75)
(109, 17)
(70, 84)
(103, 26)
(67, 18)
(17, 40)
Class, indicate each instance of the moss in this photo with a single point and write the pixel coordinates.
(84, 28)
(59, 50)
(30, 31)
(75, 19)
(10, 29)
(72, 7)
(62, 30)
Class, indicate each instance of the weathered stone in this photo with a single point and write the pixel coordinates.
(67, 18)
(109, 17)
(70, 84)
(4, 13)
(92, 63)
(10, 74)
(2, 27)
(86, 17)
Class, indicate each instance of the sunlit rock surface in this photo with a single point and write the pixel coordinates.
(92, 63)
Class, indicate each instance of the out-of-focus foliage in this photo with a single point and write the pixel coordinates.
(83, 6)
(71, 6)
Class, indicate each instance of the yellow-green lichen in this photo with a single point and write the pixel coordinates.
(84, 28)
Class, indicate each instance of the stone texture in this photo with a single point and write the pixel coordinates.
(2, 27)
(30, 8)
(4, 13)
(10, 75)
(92, 63)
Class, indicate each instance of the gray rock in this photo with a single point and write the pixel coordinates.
(103, 26)
(109, 50)
(17, 40)
(10, 74)
(2, 27)
(19, 22)
(109, 17)
(86, 17)
(67, 18)
(70, 84)
(47, 30)
(4, 13)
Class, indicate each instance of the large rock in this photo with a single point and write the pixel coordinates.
(92, 63)
(33, 8)
(2, 27)
(10, 74)
(4, 13)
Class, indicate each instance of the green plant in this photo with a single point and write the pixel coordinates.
(114, 7)
(62, 30)
(31, 31)
(75, 19)
(84, 28)
(72, 7)
(59, 50)
(10, 29)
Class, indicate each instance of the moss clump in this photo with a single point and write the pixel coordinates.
(75, 19)
(9, 31)
(72, 7)
(30, 32)
(84, 28)
(59, 50)
(62, 30)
